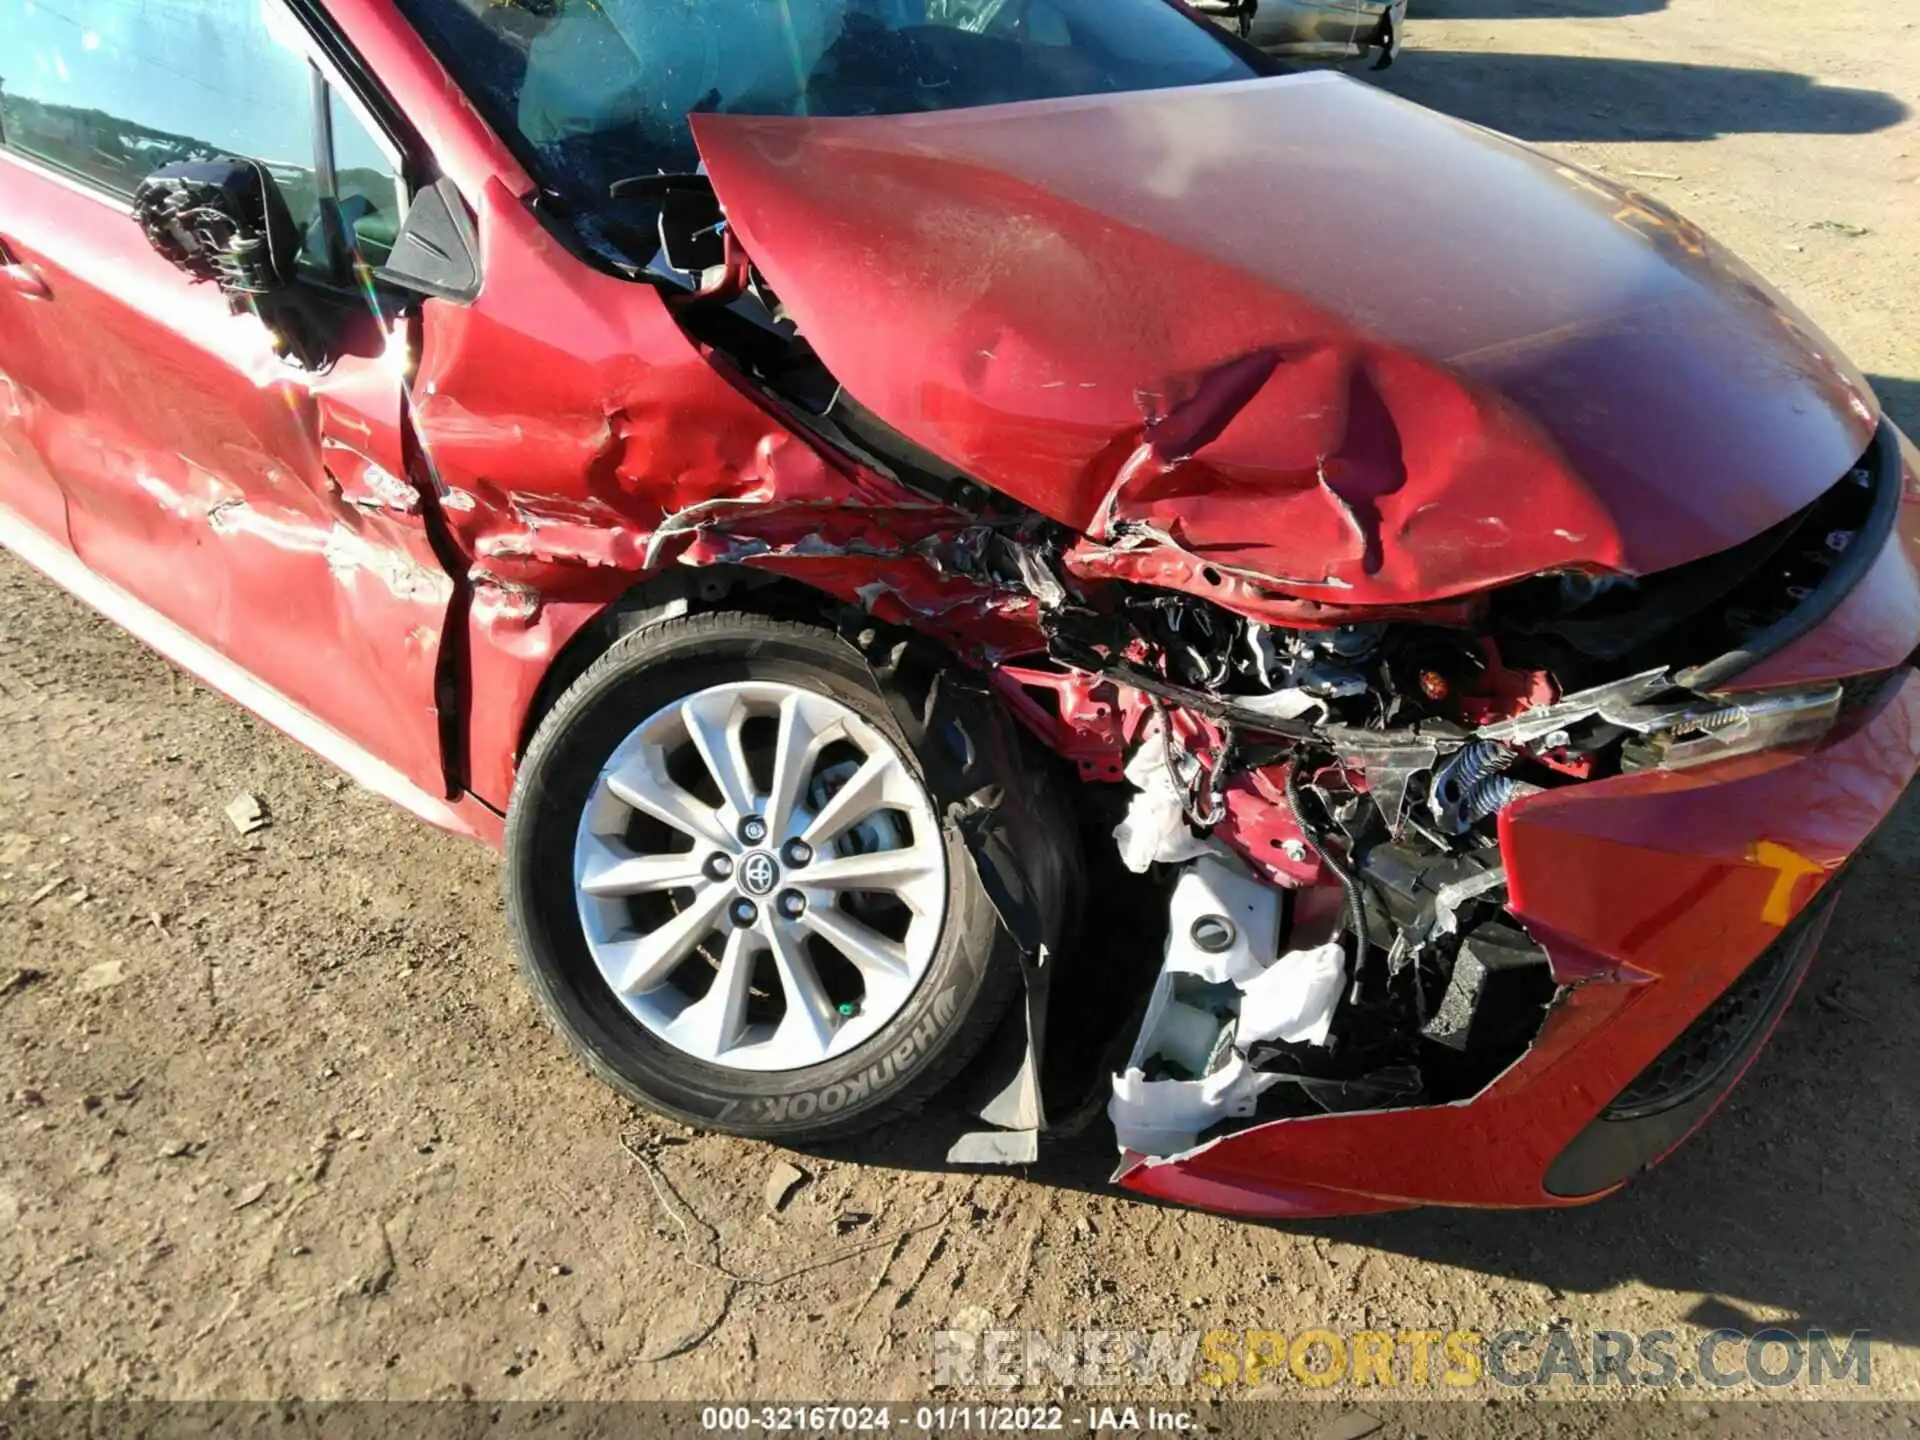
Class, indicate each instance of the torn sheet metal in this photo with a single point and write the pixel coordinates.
(578, 441)
(1390, 767)
(1618, 702)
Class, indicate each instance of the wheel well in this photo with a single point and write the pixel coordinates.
(681, 590)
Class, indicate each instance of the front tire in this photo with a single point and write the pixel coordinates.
(737, 895)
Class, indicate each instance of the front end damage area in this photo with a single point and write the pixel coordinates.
(1326, 809)
(1318, 612)
(1325, 592)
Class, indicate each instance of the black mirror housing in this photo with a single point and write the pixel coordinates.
(222, 220)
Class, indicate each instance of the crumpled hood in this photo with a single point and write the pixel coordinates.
(1297, 331)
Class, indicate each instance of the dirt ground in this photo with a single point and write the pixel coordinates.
(279, 1120)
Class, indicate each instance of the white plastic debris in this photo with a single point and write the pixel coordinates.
(1220, 989)
(1293, 1000)
(1165, 1117)
(246, 812)
(1212, 889)
(1284, 705)
(1156, 827)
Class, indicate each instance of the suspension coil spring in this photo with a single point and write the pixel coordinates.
(1472, 785)
(1487, 797)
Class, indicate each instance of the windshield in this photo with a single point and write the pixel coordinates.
(593, 91)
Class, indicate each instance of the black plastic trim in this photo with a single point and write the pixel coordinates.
(1883, 462)
(1618, 1143)
(437, 251)
(366, 86)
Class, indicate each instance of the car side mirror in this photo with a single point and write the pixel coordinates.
(222, 220)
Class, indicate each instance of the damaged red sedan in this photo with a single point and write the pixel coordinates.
(828, 485)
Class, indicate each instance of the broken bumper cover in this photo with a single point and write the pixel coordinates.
(1654, 894)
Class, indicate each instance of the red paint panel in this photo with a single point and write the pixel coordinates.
(579, 441)
(35, 373)
(261, 508)
(1293, 333)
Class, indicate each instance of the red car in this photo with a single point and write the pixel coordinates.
(853, 495)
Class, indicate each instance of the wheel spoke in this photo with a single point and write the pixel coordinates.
(810, 1012)
(636, 785)
(712, 1024)
(793, 755)
(713, 721)
(610, 869)
(884, 870)
(645, 962)
(864, 793)
(870, 952)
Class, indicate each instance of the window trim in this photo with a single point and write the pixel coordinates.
(325, 89)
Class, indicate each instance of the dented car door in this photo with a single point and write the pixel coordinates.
(254, 498)
(32, 368)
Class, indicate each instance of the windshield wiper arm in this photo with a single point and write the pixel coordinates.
(652, 187)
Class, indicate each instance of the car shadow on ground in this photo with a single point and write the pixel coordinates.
(1535, 9)
(1900, 399)
(1588, 98)
(1793, 1205)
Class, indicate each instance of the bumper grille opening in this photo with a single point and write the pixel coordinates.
(1724, 1032)
(1680, 1088)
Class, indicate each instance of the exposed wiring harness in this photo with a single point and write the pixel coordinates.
(1349, 882)
(1214, 777)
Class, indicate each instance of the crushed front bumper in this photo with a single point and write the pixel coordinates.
(1679, 909)
(1653, 893)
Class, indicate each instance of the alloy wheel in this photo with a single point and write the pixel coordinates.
(760, 876)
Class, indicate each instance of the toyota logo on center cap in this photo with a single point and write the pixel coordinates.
(758, 873)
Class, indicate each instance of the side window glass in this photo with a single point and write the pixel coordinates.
(369, 194)
(109, 90)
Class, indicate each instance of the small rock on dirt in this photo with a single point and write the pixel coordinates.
(782, 1182)
(104, 976)
(1355, 1426)
(247, 813)
(849, 1221)
(250, 1196)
